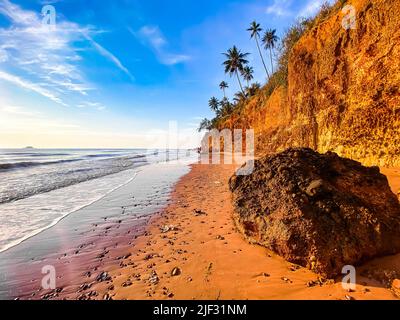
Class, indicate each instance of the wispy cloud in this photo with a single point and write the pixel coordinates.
(30, 86)
(154, 38)
(43, 60)
(47, 57)
(95, 105)
(110, 56)
(16, 14)
(280, 8)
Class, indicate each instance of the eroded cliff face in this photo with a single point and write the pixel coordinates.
(343, 91)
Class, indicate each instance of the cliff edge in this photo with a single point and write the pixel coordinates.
(342, 93)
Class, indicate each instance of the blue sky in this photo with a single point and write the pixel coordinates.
(114, 73)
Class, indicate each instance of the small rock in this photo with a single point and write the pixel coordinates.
(102, 255)
(198, 212)
(104, 276)
(176, 272)
(287, 280)
(93, 294)
(169, 228)
(128, 255)
(83, 297)
(150, 256)
(154, 279)
(127, 284)
(107, 297)
(84, 287)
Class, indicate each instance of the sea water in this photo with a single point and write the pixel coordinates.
(40, 187)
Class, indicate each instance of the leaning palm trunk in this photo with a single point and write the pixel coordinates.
(272, 64)
(262, 58)
(240, 83)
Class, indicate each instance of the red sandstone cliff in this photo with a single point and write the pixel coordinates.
(343, 90)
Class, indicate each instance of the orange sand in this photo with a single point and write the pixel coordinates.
(214, 260)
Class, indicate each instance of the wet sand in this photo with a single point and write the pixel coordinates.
(193, 251)
(89, 239)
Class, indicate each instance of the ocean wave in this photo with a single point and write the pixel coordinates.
(110, 155)
(65, 178)
(28, 164)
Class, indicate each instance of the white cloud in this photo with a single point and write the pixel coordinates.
(95, 105)
(153, 37)
(43, 60)
(45, 56)
(172, 59)
(16, 14)
(30, 86)
(280, 8)
(107, 54)
(3, 56)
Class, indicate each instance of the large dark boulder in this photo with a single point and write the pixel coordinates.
(319, 211)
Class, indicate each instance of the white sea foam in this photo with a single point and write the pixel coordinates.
(22, 219)
(42, 195)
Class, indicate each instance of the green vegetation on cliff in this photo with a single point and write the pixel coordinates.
(236, 65)
(334, 88)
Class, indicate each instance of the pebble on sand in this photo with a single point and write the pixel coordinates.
(176, 272)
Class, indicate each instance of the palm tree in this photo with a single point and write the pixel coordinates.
(270, 39)
(205, 124)
(223, 86)
(253, 89)
(235, 63)
(255, 30)
(225, 105)
(247, 74)
(239, 97)
(226, 108)
(214, 104)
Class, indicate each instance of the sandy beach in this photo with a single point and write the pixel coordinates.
(191, 250)
(109, 113)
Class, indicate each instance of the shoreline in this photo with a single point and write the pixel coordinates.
(58, 220)
(191, 250)
(86, 239)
